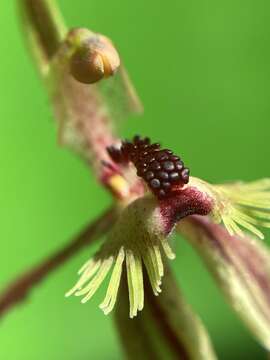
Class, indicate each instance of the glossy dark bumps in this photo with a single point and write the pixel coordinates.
(155, 183)
(161, 169)
(168, 166)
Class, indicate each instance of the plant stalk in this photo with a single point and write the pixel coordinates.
(44, 20)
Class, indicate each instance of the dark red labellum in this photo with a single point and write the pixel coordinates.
(161, 169)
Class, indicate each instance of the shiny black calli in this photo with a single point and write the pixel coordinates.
(161, 169)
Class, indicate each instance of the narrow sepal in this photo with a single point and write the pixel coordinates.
(241, 267)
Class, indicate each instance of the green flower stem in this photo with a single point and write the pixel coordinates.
(167, 328)
(134, 336)
(43, 21)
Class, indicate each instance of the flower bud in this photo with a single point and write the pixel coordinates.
(94, 57)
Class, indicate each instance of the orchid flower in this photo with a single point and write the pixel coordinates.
(154, 197)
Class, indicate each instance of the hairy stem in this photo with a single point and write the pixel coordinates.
(18, 290)
(42, 18)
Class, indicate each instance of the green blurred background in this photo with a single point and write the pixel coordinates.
(202, 69)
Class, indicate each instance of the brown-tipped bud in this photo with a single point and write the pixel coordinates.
(95, 58)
